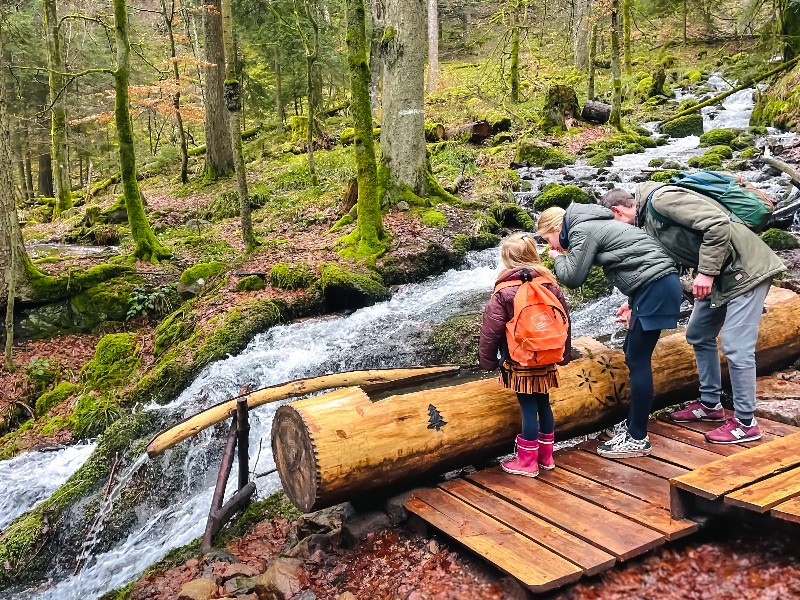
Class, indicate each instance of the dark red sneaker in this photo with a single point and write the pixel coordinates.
(733, 432)
(696, 411)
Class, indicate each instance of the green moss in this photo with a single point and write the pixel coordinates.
(684, 126)
(250, 283)
(738, 165)
(50, 289)
(709, 160)
(600, 160)
(291, 277)
(461, 243)
(107, 301)
(742, 141)
(643, 87)
(757, 130)
(751, 152)
(511, 214)
(777, 239)
(656, 162)
(687, 104)
(663, 176)
(176, 327)
(455, 341)
(717, 136)
(42, 373)
(93, 414)
(560, 195)
(343, 289)
(115, 358)
(722, 151)
(204, 271)
(53, 426)
(48, 400)
(693, 76)
(433, 218)
(534, 153)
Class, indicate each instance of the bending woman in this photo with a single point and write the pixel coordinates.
(586, 235)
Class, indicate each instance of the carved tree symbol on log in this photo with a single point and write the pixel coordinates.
(435, 420)
(606, 367)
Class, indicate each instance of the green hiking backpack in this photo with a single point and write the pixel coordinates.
(747, 204)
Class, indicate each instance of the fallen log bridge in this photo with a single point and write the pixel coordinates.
(342, 445)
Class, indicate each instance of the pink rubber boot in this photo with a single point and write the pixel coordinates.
(546, 461)
(527, 461)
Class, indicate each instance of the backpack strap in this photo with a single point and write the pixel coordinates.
(652, 209)
(507, 284)
(525, 277)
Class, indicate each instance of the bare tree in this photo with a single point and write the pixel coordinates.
(169, 18)
(219, 152)
(433, 45)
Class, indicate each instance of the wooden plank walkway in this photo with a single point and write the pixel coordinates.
(591, 512)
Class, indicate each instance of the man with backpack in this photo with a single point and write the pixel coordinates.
(709, 233)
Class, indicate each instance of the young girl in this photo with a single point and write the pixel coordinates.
(636, 265)
(532, 384)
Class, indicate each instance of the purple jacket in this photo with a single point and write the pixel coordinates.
(500, 311)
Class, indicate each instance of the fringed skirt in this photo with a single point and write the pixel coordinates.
(528, 380)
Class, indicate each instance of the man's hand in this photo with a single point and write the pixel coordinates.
(624, 314)
(553, 253)
(702, 286)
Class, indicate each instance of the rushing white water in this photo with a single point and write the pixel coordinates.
(32, 477)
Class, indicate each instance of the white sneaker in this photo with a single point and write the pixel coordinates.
(616, 429)
(624, 446)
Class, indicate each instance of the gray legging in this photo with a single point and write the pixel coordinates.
(738, 320)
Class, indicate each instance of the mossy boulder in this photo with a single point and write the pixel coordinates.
(455, 340)
(601, 160)
(511, 214)
(751, 152)
(777, 239)
(742, 141)
(723, 151)
(56, 396)
(115, 359)
(250, 283)
(687, 104)
(717, 136)
(663, 176)
(433, 218)
(348, 135)
(535, 153)
(709, 160)
(109, 301)
(656, 162)
(684, 126)
(560, 195)
(693, 76)
(343, 289)
(175, 328)
(291, 277)
(201, 272)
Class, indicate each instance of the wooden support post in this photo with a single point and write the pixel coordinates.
(244, 442)
(213, 524)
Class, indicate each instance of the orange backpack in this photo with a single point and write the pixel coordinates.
(537, 333)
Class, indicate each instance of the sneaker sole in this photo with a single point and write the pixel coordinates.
(547, 468)
(624, 454)
(695, 420)
(523, 473)
(751, 438)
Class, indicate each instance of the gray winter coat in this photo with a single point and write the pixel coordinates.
(707, 240)
(629, 257)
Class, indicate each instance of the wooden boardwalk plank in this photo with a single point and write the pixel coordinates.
(732, 472)
(592, 560)
(533, 564)
(693, 438)
(679, 453)
(644, 486)
(788, 511)
(767, 493)
(615, 534)
(637, 510)
(648, 464)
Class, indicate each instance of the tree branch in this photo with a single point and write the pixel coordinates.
(77, 17)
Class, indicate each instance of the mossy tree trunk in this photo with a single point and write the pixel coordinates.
(278, 90)
(515, 59)
(433, 45)
(616, 97)
(45, 179)
(685, 9)
(790, 28)
(233, 102)
(219, 153)
(58, 115)
(147, 245)
(369, 227)
(378, 10)
(592, 56)
(169, 16)
(403, 116)
(659, 79)
(312, 54)
(581, 28)
(560, 104)
(626, 33)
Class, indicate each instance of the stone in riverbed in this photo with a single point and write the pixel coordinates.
(198, 589)
(778, 399)
(281, 581)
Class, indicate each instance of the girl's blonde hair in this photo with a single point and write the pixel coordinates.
(519, 250)
(550, 220)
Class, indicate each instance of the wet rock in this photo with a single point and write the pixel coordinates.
(403, 205)
(778, 399)
(317, 542)
(356, 528)
(240, 570)
(198, 589)
(395, 510)
(305, 595)
(281, 581)
(47, 320)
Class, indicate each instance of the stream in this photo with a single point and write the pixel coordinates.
(389, 334)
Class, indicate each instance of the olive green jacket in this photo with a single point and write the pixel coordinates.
(704, 238)
(629, 257)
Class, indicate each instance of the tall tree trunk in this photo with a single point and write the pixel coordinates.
(790, 28)
(28, 171)
(685, 20)
(626, 33)
(592, 56)
(378, 10)
(45, 181)
(233, 101)
(312, 54)
(403, 116)
(219, 152)
(581, 27)
(616, 97)
(278, 92)
(147, 245)
(515, 60)
(14, 261)
(369, 227)
(58, 120)
(433, 45)
(169, 15)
